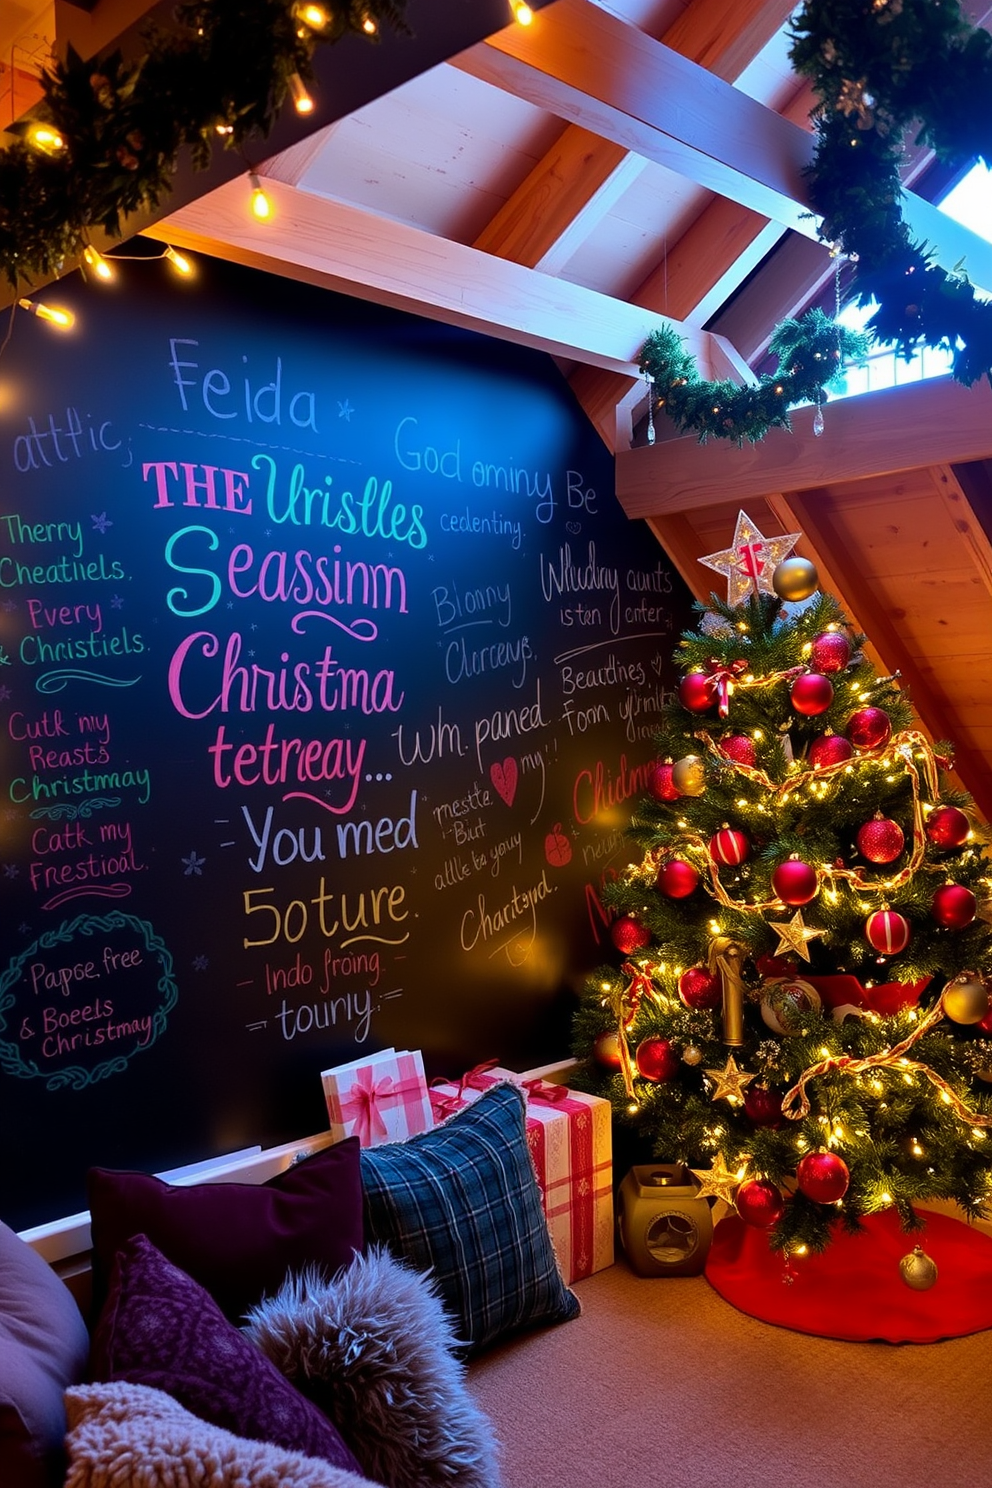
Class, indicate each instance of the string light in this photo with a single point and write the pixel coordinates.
(522, 12)
(179, 261)
(53, 314)
(98, 264)
(314, 16)
(369, 25)
(260, 205)
(47, 139)
(302, 102)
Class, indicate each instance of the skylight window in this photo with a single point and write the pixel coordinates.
(970, 203)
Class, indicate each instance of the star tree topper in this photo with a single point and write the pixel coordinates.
(748, 565)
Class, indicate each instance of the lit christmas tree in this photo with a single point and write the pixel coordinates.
(800, 1014)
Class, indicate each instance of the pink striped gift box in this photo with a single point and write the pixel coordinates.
(381, 1098)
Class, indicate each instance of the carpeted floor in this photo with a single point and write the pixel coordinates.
(662, 1384)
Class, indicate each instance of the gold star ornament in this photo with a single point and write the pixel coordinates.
(795, 936)
(748, 565)
(717, 1182)
(729, 1082)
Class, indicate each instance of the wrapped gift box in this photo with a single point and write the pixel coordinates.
(381, 1098)
(570, 1138)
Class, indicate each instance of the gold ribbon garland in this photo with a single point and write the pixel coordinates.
(796, 1103)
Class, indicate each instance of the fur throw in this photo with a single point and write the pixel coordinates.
(131, 1434)
(375, 1349)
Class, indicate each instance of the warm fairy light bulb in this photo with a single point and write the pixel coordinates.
(315, 16)
(369, 25)
(98, 264)
(53, 314)
(47, 138)
(179, 261)
(260, 205)
(522, 12)
(302, 102)
(224, 128)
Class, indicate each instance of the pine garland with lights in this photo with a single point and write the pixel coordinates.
(116, 125)
(877, 67)
(897, 1080)
(810, 352)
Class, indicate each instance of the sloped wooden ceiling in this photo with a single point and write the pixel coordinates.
(895, 499)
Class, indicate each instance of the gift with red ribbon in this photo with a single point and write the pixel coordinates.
(570, 1139)
(381, 1098)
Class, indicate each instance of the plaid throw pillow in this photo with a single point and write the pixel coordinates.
(462, 1201)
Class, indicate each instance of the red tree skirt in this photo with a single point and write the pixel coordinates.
(854, 1290)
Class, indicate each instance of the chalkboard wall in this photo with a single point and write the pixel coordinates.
(328, 672)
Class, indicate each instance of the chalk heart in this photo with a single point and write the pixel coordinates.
(574, 528)
(657, 662)
(504, 778)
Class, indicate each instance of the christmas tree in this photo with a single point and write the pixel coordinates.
(800, 1014)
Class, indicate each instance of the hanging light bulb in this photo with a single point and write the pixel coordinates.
(53, 314)
(522, 12)
(302, 102)
(260, 205)
(46, 138)
(98, 264)
(314, 16)
(369, 25)
(179, 261)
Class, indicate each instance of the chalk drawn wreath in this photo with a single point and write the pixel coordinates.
(76, 1076)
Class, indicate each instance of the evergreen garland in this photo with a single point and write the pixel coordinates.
(876, 66)
(809, 351)
(123, 121)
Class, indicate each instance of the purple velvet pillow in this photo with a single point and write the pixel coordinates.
(238, 1240)
(160, 1328)
(43, 1349)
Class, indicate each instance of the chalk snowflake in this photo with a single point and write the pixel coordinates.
(193, 864)
(345, 410)
(200, 963)
(117, 601)
(5, 694)
(100, 521)
(10, 870)
(9, 605)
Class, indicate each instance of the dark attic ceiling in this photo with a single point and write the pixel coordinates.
(617, 166)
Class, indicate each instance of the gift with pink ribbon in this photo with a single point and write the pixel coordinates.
(381, 1098)
(570, 1140)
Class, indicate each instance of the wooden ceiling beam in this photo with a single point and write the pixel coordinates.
(570, 190)
(809, 513)
(355, 252)
(924, 423)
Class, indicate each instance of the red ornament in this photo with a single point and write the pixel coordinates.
(831, 651)
(760, 1203)
(739, 748)
(795, 882)
(881, 840)
(953, 906)
(677, 879)
(948, 827)
(606, 1050)
(729, 846)
(763, 1106)
(697, 692)
(823, 1177)
(811, 694)
(629, 935)
(869, 728)
(829, 749)
(887, 932)
(656, 1058)
(660, 782)
(698, 988)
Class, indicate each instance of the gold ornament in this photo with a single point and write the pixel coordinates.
(689, 775)
(966, 998)
(749, 563)
(692, 1054)
(794, 936)
(729, 1082)
(716, 1182)
(918, 1270)
(795, 579)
